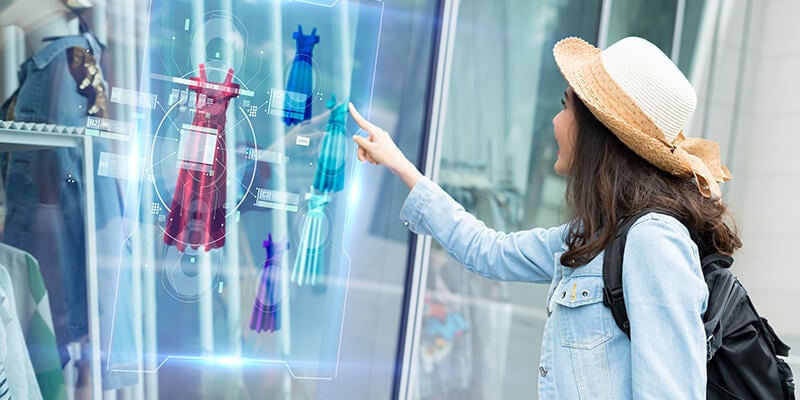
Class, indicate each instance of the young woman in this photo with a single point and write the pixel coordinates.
(622, 150)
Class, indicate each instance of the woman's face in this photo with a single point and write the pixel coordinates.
(565, 129)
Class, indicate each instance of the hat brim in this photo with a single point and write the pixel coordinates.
(581, 65)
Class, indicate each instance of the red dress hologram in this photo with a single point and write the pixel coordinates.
(197, 215)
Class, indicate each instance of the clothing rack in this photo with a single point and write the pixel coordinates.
(24, 136)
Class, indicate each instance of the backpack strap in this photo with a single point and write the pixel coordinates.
(612, 272)
(613, 296)
(720, 284)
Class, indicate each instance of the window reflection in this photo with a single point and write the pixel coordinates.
(481, 338)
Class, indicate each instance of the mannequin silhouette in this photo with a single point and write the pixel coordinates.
(52, 18)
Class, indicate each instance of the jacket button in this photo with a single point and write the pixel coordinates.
(564, 294)
(542, 372)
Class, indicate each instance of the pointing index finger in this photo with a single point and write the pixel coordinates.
(360, 120)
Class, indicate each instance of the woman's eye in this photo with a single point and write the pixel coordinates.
(563, 102)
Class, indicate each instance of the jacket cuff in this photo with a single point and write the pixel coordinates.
(412, 212)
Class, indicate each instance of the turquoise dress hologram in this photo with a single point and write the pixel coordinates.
(328, 178)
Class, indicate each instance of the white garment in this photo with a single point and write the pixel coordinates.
(21, 380)
(5, 390)
(21, 13)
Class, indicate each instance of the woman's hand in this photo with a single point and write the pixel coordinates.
(378, 148)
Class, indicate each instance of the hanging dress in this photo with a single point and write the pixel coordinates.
(328, 178)
(300, 86)
(197, 214)
(329, 174)
(266, 315)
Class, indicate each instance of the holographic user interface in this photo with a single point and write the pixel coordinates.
(239, 218)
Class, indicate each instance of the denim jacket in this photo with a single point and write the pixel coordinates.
(584, 354)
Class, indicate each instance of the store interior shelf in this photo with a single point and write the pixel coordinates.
(15, 136)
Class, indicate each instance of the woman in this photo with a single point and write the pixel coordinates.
(622, 151)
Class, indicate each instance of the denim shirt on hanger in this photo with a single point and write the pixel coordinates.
(48, 93)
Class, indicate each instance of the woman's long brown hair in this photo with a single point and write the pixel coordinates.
(608, 181)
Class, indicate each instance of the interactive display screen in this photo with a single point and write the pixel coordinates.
(243, 178)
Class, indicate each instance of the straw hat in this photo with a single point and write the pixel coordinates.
(636, 91)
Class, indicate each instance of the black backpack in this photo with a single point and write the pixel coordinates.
(742, 347)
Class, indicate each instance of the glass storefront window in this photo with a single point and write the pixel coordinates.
(694, 14)
(652, 20)
(278, 309)
(480, 339)
(231, 240)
